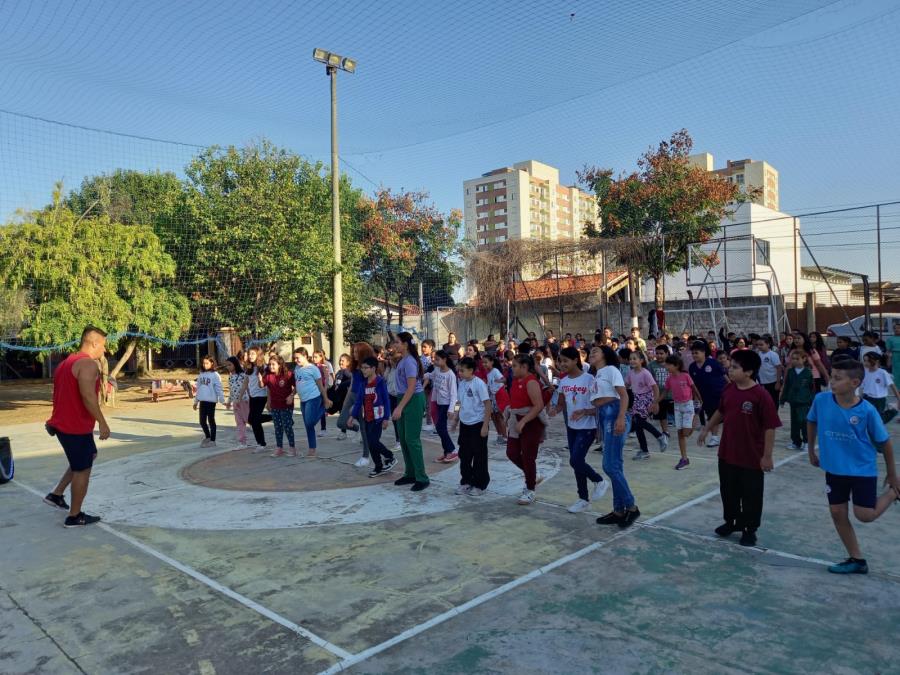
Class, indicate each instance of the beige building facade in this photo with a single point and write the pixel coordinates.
(524, 201)
(747, 174)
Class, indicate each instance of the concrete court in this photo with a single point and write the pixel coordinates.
(228, 589)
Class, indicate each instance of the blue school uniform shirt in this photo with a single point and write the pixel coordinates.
(709, 379)
(847, 436)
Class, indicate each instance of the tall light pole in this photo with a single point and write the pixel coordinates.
(333, 63)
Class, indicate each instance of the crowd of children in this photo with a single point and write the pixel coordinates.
(728, 386)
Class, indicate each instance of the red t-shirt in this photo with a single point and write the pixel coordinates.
(518, 393)
(279, 387)
(747, 414)
(70, 415)
(369, 401)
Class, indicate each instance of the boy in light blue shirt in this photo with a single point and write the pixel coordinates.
(850, 433)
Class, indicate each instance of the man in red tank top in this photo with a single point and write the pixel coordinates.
(76, 408)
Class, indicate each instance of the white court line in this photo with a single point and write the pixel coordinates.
(216, 586)
(515, 583)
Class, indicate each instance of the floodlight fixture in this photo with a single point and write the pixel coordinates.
(332, 60)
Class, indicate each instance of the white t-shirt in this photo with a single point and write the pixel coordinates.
(443, 387)
(472, 395)
(607, 379)
(579, 392)
(865, 349)
(768, 368)
(876, 383)
(495, 381)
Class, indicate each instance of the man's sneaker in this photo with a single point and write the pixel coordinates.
(340, 436)
(663, 441)
(321, 433)
(630, 517)
(611, 518)
(452, 457)
(405, 480)
(850, 566)
(397, 447)
(81, 520)
(640, 454)
(374, 473)
(390, 464)
(682, 463)
(462, 490)
(475, 492)
(748, 538)
(726, 529)
(361, 462)
(278, 453)
(419, 486)
(600, 489)
(56, 501)
(712, 441)
(526, 498)
(793, 447)
(579, 506)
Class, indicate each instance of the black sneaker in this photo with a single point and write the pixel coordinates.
(81, 520)
(56, 501)
(374, 473)
(630, 517)
(390, 463)
(748, 538)
(611, 518)
(405, 480)
(726, 529)
(418, 487)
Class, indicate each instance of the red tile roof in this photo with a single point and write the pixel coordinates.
(539, 289)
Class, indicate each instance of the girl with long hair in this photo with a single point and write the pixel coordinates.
(238, 400)
(499, 397)
(524, 427)
(280, 384)
(209, 391)
(255, 370)
(409, 411)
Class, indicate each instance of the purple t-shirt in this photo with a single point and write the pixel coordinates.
(408, 367)
(640, 382)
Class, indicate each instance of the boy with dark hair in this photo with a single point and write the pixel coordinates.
(660, 373)
(473, 420)
(844, 350)
(745, 452)
(851, 430)
(869, 344)
(770, 369)
(373, 410)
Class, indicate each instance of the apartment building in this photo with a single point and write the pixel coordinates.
(748, 174)
(524, 201)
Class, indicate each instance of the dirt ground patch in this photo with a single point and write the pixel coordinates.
(24, 401)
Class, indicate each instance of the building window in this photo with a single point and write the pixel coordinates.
(762, 252)
(512, 195)
(467, 190)
(739, 178)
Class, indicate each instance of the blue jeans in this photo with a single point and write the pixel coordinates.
(612, 457)
(312, 413)
(579, 444)
(440, 425)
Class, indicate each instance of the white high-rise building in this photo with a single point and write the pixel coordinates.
(524, 201)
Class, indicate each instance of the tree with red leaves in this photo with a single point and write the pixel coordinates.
(669, 203)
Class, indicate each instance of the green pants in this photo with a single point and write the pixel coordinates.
(410, 428)
(798, 423)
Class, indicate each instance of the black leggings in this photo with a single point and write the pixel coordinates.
(640, 425)
(256, 418)
(208, 419)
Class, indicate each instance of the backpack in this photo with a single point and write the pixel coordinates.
(7, 466)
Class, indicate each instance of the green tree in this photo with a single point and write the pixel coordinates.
(79, 270)
(669, 204)
(259, 257)
(407, 242)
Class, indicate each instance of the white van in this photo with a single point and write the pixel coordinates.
(883, 325)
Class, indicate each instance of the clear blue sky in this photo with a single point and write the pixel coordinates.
(446, 91)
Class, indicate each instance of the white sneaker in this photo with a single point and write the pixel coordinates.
(538, 479)
(804, 447)
(663, 441)
(499, 440)
(640, 454)
(579, 506)
(600, 489)
(475, 492)
(397, 447)
(259, 448)
(361, 462)
(462, 490)
(321, 433)
(205, 443)
(712, 442)
(340, 436)
(526, 498)
(792, 447)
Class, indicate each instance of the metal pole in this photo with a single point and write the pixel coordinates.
(880, 287)
(337, 339)
(661, 308)
(604, 290)
(422, 309)
(558, 294)
(796, 276)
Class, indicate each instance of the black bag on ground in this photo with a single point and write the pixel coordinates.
(7, 466)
